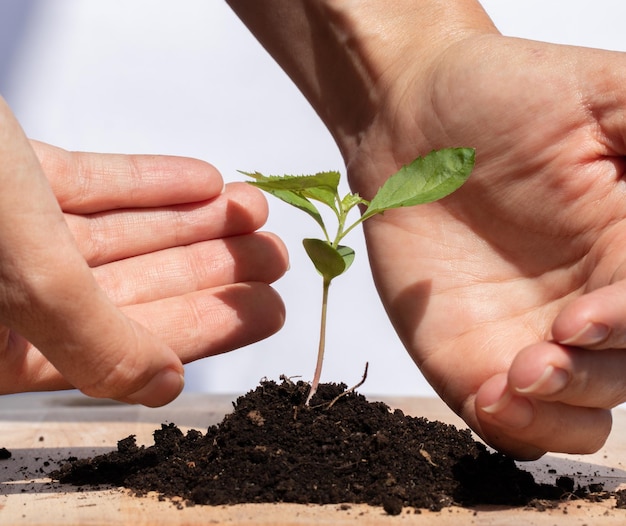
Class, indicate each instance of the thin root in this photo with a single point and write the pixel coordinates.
(352, 389)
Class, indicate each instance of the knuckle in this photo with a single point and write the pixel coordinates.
(113, 378)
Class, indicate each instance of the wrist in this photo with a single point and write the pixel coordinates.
(353, 60)
(393, 47)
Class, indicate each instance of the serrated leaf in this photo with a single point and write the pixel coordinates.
(330, 262)
(297, 182)
(327, 190)
(321, 186)
(297, 190)
(294, 198)
(425, 180)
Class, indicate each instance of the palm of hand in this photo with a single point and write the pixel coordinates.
(475, 283)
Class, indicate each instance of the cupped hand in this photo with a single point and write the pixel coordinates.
(114, 270)
(509, 294)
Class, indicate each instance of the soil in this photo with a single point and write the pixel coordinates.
(273, 448)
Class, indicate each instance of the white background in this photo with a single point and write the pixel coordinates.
(185, 77)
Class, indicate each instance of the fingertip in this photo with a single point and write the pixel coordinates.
(590, 334)
(504, 419)
(160, 390)
(501, 407)
(593, 320)
(252, 199)
(208, 174)
(573, 320)
(542, 370)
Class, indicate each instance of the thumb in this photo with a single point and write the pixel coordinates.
(94, 346)
(49, 296)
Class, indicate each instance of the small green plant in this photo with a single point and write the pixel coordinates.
(425, 180)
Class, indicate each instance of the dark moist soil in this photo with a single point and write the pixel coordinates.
(272, 448)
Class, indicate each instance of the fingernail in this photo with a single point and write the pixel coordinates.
(553, 380)
(160, 390)
(590, 334)
(511, 411)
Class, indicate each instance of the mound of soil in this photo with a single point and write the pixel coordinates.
(272, 448)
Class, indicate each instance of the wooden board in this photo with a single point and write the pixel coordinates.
(40, 430)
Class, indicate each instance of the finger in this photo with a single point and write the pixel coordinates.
(177, 271)
(49, 296)
(525, 428)
(206, 323)
(109, 236)
(93, 345)
(574, 376)
(26, 369)
(195, 325)
(86, 183)
(596, 320)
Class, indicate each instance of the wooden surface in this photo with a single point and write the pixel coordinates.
(40, 430)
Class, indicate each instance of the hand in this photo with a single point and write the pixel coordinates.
(509, 294)
(145, 264)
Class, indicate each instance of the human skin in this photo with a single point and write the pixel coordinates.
(508, 294)
(117, 269)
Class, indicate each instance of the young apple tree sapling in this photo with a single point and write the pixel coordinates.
(424, 180)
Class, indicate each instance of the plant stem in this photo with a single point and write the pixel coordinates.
(322, 342)
(343, 233)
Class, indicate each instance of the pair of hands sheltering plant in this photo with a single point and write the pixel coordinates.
(424, 180)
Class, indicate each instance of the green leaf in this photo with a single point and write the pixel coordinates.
(321, 186)
(326, 192)
(352, 200)
(425, 180)
(347, 254)
(329, 261)
(299, 202)
(296, 182)
(269, 185)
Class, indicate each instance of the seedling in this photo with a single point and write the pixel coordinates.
(425, 180)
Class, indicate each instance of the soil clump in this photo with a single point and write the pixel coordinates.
(340, 449)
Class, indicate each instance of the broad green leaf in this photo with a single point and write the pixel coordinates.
(426, 179)
(347, 254)
(329, 261)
